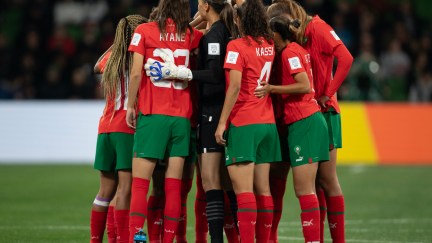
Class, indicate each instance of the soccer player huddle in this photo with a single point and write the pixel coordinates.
(242, 93)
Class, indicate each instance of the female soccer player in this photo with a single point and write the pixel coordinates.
(323, 44)
(163, 126)
(115, 139)
(252, 141)
(307, 129)
(211, 80)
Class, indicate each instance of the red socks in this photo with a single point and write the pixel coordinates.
(155, 218)
(110, 226)
(310, 217)
(323, 211)
(181, 231)
(264, 218)
(97, 226)
(247, 216)
(229, 224)
(122, 225)
(336, 218)
(138, 206)
(201, 225)
(172, 208)
(277, 187)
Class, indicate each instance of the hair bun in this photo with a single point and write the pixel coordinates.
(295, 23)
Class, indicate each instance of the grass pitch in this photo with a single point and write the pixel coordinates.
(51, 203)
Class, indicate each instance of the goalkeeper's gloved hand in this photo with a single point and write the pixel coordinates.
(158, 70)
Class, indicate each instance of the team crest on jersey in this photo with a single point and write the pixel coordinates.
(213, 49)
(334, 35)
(297, 149)
(294, 63)
(232, 57)
(136, 39)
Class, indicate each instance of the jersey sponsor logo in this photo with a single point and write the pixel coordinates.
(294, 63)
(232, 57)
(213, 49)
(136, 39)
(334, 35)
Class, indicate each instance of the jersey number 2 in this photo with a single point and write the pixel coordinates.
(173, 54)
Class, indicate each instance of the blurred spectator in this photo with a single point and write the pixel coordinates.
(421, 91)
(362, 83)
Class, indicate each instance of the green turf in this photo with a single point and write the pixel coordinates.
(51, 203)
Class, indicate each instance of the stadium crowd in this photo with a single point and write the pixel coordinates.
(47, 50)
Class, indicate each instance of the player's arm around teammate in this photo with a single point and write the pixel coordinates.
(251, 140)
(323, 44)
(115, 138)
(307, 130)
(163, 126)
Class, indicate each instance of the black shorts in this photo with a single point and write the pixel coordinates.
(206, 134)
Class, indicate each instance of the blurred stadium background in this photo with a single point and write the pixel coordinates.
(50, 103)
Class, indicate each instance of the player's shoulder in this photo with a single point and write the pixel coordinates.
(319, 25)
(238, 43)
(146, 26)
(216, 32)
(291, 50)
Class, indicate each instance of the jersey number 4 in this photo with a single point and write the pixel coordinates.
(176, 84)
(265, 73)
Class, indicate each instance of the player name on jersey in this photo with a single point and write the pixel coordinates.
(264, 51)
(172, 37)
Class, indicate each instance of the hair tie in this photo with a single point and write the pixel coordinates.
(295, 23)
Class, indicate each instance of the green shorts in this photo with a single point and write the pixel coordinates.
(114, 151)
(308, 140)
(333, 120)
(161, 136)
(257, 143)
(193, 152)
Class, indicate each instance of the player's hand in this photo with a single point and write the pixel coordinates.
(158, 70)
(323, 100)
(262, 90)
(131, 118)
(219, 134)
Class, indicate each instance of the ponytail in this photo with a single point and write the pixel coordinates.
(226, 14)
(227, 17)
(287, 29)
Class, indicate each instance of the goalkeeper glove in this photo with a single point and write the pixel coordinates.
(158, 70)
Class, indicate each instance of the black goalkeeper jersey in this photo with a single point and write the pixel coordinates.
(210, 75)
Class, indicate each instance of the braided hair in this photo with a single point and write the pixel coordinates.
(120, 60)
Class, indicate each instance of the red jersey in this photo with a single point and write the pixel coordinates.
(295, 59)
(114, 115)
(254, 61)
(321, 41)
(165, 97)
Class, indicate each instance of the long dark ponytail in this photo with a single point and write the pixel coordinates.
(226, 14)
